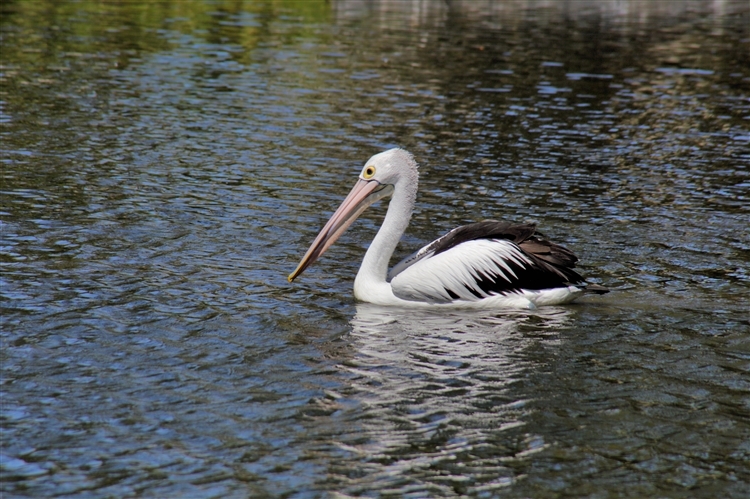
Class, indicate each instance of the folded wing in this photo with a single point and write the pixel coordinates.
(482, 259)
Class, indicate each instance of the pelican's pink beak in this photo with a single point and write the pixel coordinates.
(364, 193)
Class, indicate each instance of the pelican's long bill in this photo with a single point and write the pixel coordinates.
(364, 193)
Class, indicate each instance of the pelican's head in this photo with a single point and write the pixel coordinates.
(381, 174)
(389, 167)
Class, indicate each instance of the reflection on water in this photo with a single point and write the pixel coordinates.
(436, 388)
(165, 164)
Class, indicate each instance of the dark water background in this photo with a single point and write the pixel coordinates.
(165, 165)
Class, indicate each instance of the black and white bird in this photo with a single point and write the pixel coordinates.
(487, 264)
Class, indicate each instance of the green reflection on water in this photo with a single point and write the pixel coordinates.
(41, 31)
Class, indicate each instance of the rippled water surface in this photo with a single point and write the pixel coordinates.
(165, 165)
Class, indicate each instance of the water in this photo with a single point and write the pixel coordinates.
(165, 166)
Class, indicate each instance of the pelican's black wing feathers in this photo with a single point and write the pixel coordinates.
(496, 258)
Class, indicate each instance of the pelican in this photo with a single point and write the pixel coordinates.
(487, 264)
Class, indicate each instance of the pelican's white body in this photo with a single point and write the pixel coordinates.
(450, 269)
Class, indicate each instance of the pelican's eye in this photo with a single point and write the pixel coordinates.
(368, 172)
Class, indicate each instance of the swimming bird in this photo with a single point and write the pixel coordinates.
(488, 264)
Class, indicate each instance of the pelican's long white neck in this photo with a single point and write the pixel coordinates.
(370, 284)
